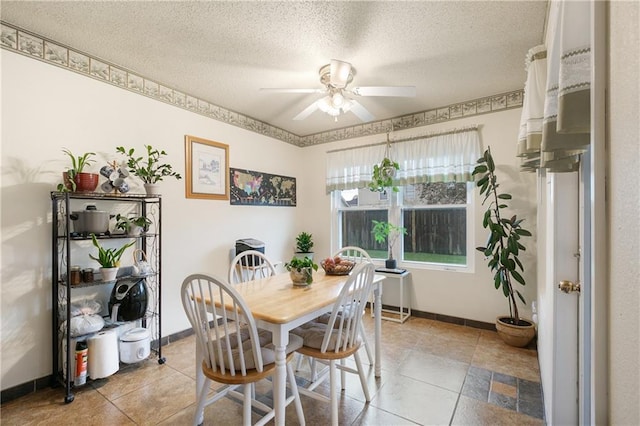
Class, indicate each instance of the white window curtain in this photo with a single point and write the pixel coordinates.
(444, 157)
(566, 113)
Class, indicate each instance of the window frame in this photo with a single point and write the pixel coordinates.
(395, 214)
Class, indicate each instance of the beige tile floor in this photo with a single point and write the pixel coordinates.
(433, 373)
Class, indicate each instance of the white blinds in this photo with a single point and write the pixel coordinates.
(445, 157)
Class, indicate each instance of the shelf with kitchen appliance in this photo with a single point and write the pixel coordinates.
(129, 306)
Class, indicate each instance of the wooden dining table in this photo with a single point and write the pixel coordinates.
(279, 306)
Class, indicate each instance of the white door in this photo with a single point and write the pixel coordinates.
(558, 331)
(572, 336)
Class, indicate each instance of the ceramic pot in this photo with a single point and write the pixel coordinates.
(519, 335)
(390, 264)
(134, 231)
(152, 188)
(300, 278)
(302, 255)
(85, 182)
(108, 274)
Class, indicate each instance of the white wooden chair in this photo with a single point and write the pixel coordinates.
(250, 265)
(339, 338)
(234, 352)
(357, 255)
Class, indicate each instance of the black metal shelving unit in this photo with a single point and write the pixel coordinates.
(62, 240)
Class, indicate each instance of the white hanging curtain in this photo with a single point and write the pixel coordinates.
(445, 157)
(530, 136)
(566, 113)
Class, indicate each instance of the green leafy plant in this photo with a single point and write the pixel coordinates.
(383, 174)
(302, 266)
(150, 170)
(78, 163)
(126, 223)
(385, 231)
(304, 242)
(108, 258)
(503, 245)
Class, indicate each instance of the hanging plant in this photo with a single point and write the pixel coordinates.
(384, 172)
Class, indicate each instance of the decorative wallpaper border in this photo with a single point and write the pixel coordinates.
(36, 47)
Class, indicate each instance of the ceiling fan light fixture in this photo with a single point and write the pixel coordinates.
(337, 100)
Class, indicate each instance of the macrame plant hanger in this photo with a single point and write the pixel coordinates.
(383, 173)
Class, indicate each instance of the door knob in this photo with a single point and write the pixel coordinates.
(569, 287)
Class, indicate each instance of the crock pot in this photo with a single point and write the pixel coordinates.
(135, 345)
(90, 221)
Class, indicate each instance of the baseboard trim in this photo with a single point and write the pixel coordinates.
(31, 386)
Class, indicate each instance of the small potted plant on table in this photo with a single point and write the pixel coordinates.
(109, 259)
(304, 244)
(301, 270)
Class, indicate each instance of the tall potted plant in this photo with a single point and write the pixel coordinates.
(385, 231)
(75, 178)
(503, 247)
(150, 169)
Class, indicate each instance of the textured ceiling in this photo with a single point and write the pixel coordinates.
(224, 52)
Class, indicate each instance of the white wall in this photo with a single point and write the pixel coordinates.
(45, 108)
(464, 295)
(623, 189)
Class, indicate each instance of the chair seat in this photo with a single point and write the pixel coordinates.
(267, 350)
(313, 333)
(251, 376)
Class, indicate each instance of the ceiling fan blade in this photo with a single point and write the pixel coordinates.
(278, 90)
(307, 111)
(400, 91)
(361, 112)
(339, 74)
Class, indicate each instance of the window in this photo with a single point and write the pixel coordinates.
(436, 215)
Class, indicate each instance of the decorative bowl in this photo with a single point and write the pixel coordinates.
(342, 267)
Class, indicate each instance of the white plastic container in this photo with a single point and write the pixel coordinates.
(135, 345)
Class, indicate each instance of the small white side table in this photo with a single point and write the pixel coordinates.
(401, 314)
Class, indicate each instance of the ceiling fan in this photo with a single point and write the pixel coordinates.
(335, 77)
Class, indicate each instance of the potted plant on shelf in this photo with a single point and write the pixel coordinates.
(502, 251)
(75, 179)
(133, 225)
(109, 259)
(383, 174)
(304, 244)
(150, 170)
(301, 270)
(385, 231)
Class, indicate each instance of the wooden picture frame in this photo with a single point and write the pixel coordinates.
(207, 166)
